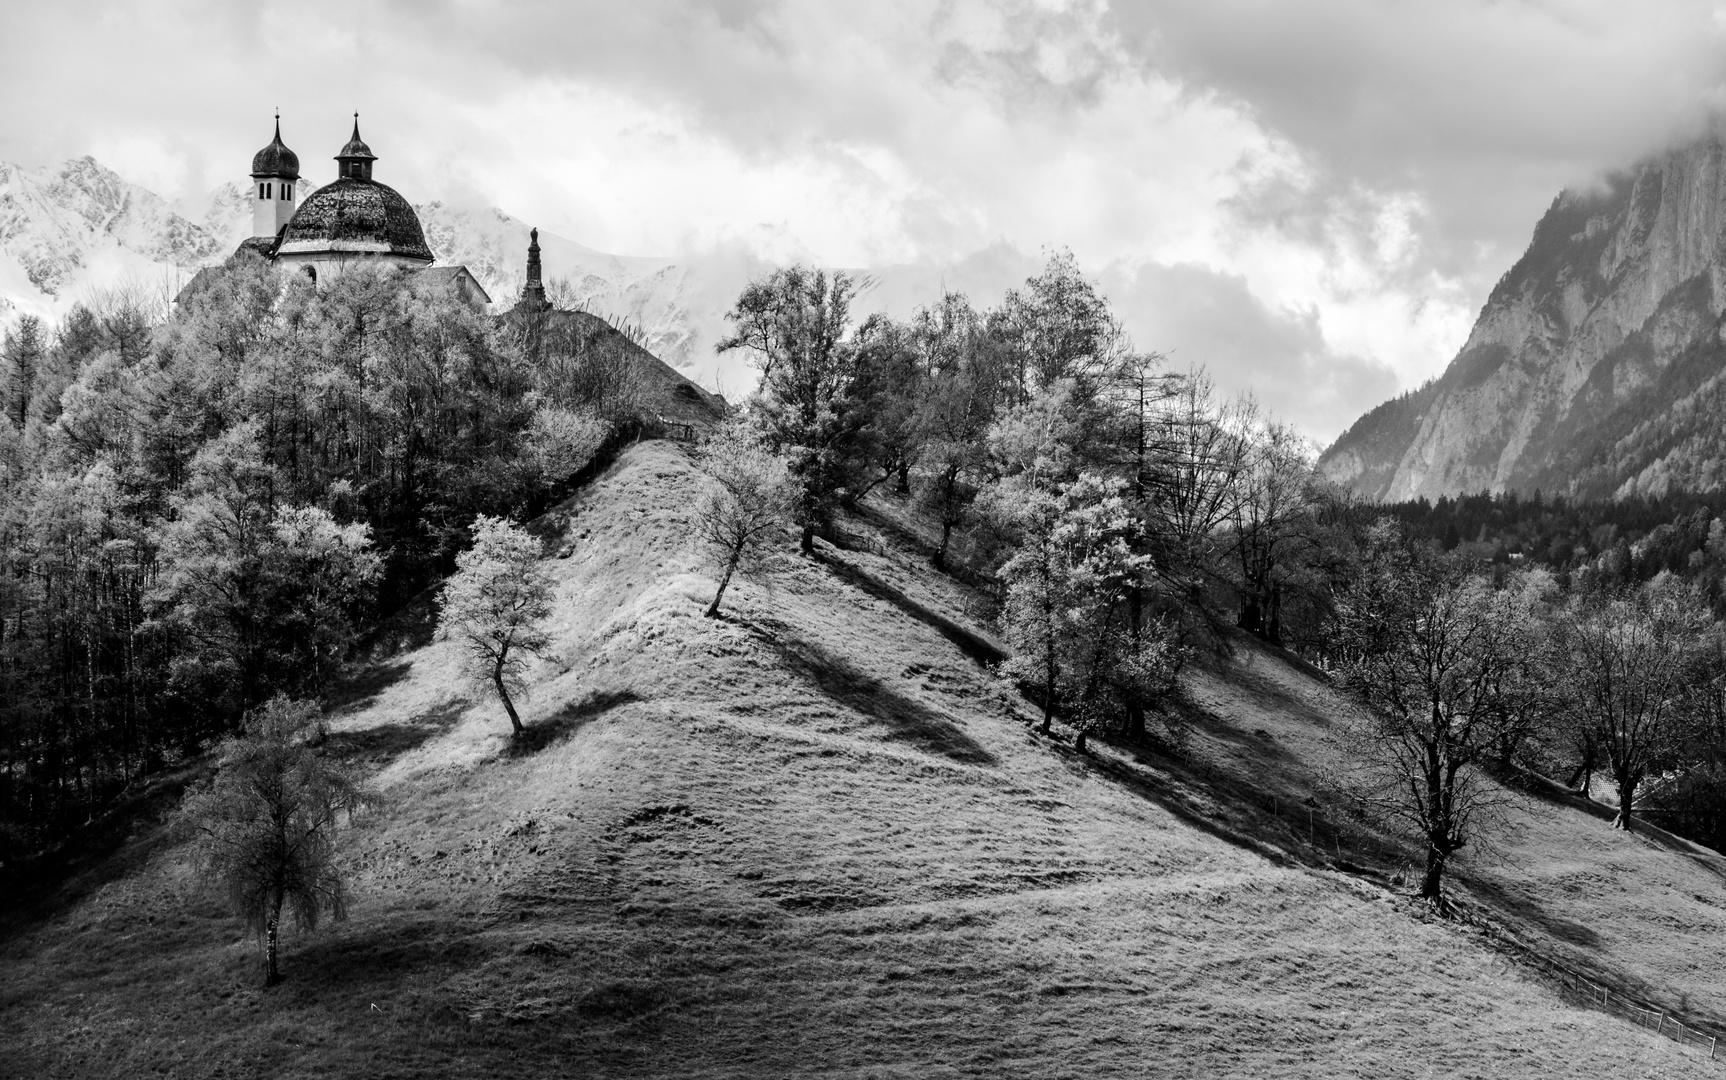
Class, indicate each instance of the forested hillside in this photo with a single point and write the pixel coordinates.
(199, 513)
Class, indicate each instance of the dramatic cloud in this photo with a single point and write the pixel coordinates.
(1311, 199)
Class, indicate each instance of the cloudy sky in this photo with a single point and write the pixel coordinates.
(1310, 198)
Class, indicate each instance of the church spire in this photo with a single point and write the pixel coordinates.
(533, 293)
(356, 157)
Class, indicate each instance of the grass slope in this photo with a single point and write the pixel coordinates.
(814, 839)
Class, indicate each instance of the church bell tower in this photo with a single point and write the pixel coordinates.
(275, 175)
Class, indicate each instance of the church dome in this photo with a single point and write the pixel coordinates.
(357, 216)
(276, 160)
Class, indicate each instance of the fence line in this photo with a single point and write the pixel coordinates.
(1578, 986)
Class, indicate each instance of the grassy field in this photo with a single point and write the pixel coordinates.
(814, 838)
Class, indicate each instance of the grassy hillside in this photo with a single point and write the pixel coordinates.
(812, 839)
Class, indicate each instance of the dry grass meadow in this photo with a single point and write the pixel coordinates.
(814, 838)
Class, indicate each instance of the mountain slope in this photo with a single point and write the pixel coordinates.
(816, 838)
(80, 224)
(1595, 367)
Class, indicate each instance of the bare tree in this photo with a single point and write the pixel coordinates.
(1197, 450)
(493, 605)
(1628, 676)
(265, 826)
(1267, 512)
(749, 496)
(1441, 660)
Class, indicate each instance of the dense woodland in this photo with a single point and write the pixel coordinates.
(202, 512)
(1624, 541)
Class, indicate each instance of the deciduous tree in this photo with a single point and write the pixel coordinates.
(794, 322)
(749, 496)
(493, 608)
(1629, 670)
(1440, 659)
(266, 826)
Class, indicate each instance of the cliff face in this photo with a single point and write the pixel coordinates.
(1596, 366)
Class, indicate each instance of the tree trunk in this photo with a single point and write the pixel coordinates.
(508, 705)
(1135, 722)
(1251, 618)
(1048, 703)
(940, 559)
(1626, 802)
(724, 580)
(1585, 769)
(807, 544)
(272, 975)
(1080, 743)
(1431, 883)
(904, 478)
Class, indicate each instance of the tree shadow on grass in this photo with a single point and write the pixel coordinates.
(360, 689)
(907, 719)
(969, 642)
(910, 540)
(1510, 901)
(380, 745)
(568, 720)
(383, 953)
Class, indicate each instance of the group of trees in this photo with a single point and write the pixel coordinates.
(1121, 514)
(1467, 672)
(1119, 507)
(200, 512)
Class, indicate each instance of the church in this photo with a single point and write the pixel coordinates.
(352, 221)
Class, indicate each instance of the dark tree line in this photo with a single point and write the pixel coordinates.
(200, 512)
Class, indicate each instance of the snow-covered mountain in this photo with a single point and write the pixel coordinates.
(75, 231)
(78, 228)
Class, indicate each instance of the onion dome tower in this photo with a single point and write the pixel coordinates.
(353, 219)
(275, 174)
(354, 162)
(533, 293)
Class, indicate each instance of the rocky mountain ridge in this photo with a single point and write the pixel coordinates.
(1596, 367)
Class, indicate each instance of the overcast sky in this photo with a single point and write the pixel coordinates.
(1310, 198)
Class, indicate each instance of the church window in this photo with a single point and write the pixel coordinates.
(261, 191)
(288, 192)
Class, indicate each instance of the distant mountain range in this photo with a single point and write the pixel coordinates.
(74, 231)
(1597, 367)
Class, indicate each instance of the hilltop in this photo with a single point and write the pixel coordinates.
(817, 837)
(77, 230)
(1595, 367)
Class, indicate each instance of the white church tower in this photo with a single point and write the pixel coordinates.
(275, 175)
